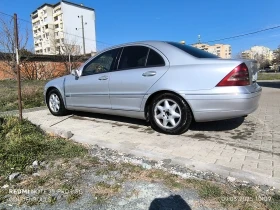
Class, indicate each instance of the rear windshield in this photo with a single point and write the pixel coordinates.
(193, 51)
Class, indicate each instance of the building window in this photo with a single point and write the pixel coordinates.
(56, 18)
(46, 26)
(56, 26)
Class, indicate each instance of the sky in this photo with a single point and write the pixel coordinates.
(120, 21)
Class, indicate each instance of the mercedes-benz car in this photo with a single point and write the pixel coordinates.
(166, 83)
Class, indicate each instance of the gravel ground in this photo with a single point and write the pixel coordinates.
(133, 194)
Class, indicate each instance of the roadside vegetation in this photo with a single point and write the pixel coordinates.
(65, 165)
(268, 76)
(32, 94)
(23, 143)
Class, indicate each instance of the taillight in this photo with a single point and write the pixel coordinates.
(239, 76)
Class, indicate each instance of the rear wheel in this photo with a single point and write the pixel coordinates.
(170, 114)
(55, 103)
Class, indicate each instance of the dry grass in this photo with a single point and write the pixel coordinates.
(32, 94)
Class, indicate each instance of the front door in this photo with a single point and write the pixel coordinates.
(91, 89)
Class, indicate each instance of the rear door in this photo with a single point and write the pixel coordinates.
(139, 67)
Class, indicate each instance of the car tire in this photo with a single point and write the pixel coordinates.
(55, 103)
(170, 114)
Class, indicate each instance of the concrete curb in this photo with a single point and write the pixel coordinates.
(15, 112)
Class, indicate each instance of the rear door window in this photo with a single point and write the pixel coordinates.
(133, 57)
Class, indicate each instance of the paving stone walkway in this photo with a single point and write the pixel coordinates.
(244, 148)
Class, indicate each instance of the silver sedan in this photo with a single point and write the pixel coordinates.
(166, 83)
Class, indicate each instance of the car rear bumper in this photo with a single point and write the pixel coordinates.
(211, 107)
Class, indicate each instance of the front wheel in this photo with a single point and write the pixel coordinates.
(55, 103)
(170, 114)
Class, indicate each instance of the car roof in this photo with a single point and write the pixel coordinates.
(174, 55)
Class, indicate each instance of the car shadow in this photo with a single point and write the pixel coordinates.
(223, 125)
(174, 202)
(271, 84)
(111, 118)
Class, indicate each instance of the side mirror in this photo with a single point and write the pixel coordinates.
(74, 72)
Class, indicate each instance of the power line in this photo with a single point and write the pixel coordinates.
(5, 14)
(60, 31)
(246, 34)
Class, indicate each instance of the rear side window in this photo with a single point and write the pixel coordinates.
(193, 50)
(133, 57)
(154, 59)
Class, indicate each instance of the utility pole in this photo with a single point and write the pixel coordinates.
(17, 66)
(84, 46)
(83, 33)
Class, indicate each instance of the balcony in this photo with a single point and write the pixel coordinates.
(35, 20)
(38, 48)
(57, 11)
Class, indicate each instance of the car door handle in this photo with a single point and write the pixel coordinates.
(103, 78)
(149, 74)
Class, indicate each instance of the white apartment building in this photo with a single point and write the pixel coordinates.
(257, 51)
(64, 28)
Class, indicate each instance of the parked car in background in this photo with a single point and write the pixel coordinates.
(166, 83)
(267, 70)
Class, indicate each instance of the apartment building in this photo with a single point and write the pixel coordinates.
(221, 50)
(258, 52)
(64, 28)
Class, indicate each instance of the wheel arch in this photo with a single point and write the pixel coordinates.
(53, 88)
(153, 95)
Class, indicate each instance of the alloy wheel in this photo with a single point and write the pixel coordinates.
(167, 113)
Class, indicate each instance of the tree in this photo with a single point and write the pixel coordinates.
(7, 46)
(68, 50)
(263, 62)
(276, 59)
